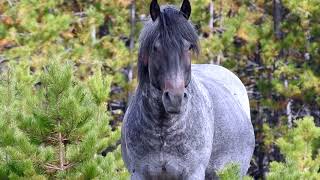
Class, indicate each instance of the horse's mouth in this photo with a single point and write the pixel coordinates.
(173, 111)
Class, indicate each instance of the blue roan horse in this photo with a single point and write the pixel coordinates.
(185, 121)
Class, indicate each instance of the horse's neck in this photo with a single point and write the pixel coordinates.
(154, 116)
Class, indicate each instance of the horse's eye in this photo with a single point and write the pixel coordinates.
(155, 49)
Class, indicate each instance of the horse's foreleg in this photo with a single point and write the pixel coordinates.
(197, 174)
(136, 176)
(212, 176)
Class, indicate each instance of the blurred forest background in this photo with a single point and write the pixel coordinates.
(68, 67)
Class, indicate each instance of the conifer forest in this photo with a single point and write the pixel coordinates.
(69, 67)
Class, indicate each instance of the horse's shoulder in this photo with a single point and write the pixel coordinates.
(224, 82)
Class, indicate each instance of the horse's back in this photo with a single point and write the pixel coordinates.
(225, 78)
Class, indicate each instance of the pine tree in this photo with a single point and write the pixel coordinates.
(55, 127)
(301, 149)
(91, 36)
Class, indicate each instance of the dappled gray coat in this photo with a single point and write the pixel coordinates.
(213, 130)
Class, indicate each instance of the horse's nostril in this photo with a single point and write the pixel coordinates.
(166, 95)
(172, 101)
(185, 95)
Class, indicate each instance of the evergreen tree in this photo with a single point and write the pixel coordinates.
(55, 127)
(302, 153)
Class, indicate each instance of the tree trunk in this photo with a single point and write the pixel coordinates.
(211, 12)
(277, 18)
(132, 42)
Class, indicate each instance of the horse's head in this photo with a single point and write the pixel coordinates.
(166, 43)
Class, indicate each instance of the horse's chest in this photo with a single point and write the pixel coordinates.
(173, 150)
(156, 140)
(169, 152)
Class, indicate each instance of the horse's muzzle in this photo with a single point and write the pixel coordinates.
(173, 102)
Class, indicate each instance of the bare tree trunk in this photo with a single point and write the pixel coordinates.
(132, 42)
(277, 18)
(220, 14)
(211, 21)
(61, 149)
(220, 55)
(289, 113)
(211, 11)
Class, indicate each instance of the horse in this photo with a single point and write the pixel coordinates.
(185, 121)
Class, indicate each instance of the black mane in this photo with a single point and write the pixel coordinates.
(171, 28)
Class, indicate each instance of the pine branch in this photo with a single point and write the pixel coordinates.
(51, 167)
(10, 3)
(54, 168)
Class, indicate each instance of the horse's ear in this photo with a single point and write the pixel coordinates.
(154, 10)
(186, 9)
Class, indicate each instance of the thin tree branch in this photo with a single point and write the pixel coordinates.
(211, 11)
(61, 148)
(52, 167)
(10, 3)
(289, 113)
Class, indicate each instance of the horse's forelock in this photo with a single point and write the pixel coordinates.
(170, 28)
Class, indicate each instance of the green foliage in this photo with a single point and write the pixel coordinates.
(86, 33)
(57, 126)
(301, 149)
(63, 58)
(231, 172)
